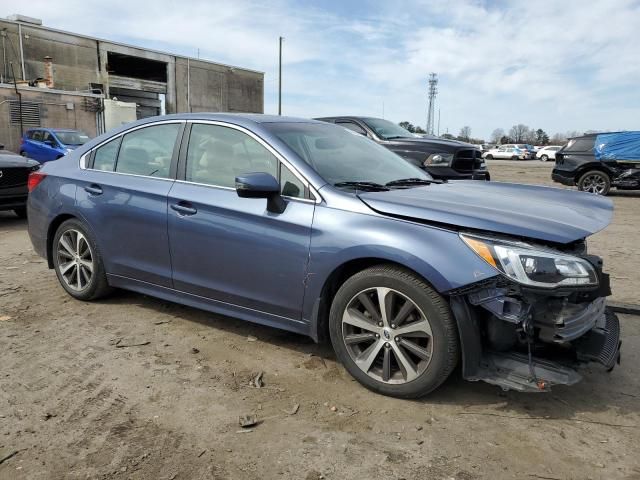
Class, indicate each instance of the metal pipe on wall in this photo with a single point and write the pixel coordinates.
(24, 75)
(5, 76)
(188, 86)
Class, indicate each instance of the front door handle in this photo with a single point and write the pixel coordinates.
(184, 208)
(93, 189)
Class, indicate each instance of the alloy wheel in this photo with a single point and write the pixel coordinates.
(75, 260)
(594, 183)
(387, 335)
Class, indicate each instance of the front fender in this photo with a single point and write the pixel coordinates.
(438, 255)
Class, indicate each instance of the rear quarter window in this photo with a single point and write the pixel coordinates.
(580, 145)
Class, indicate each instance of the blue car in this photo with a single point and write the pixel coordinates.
(46, 144)
(309, 227)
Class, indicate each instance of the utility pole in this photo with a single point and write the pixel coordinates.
(438, 122)
(433, 91)
(280, 79)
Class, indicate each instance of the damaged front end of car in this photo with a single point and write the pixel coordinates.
(533, 326)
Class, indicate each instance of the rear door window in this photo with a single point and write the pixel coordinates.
(148, 151)
(105, 156)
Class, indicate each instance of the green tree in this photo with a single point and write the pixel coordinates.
(541, 137)
(408, 126)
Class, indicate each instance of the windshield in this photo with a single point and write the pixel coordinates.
(387, 130)
(340, 155)
(72, 138)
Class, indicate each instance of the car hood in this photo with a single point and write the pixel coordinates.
(541, 213)
(429, 143)
(11, 160)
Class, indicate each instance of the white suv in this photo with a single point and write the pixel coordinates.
(547, 153)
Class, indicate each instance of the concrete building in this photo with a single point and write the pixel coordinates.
(47, 61)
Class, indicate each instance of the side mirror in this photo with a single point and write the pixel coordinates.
(261, 185)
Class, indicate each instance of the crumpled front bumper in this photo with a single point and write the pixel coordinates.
(530, 341)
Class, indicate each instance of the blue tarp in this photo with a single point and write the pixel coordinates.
(618, 146)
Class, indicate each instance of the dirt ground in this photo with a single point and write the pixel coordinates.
(133, 387)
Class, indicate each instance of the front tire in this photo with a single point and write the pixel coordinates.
(489, 157)
(78, 263)
(595, 181)
(393, 333)
(544, 158)
(514, 157)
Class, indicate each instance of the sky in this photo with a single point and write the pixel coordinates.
(570, 65)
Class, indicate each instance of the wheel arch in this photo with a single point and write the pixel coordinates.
(591, 166)
(51, 233)
(319, 330)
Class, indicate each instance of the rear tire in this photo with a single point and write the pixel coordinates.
(20, 212)
(514, 157)
(78, 262)
(595, 181)
(414, 350)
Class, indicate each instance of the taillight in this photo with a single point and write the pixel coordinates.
(34, 180)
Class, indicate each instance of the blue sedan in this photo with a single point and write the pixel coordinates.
(306, 226)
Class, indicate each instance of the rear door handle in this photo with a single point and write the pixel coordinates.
(184, 208)
(93, 189)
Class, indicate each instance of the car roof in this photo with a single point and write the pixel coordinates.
(242, 119)
(249, 117)
(594, 134)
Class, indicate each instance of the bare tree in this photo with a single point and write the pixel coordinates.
(497, 134)
(465, 133)
(519, 132)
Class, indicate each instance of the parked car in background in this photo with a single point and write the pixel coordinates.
(14, 172)
(46, 144)
(547, 152)
(485, 147)
(599, 161)
(442, 159)
(302, 225)
(505, 152)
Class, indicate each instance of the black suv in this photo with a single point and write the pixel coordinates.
(14, 172)
(598, 161)
(443, 159)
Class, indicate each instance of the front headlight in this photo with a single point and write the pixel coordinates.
(438, 160)
(532, 266)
